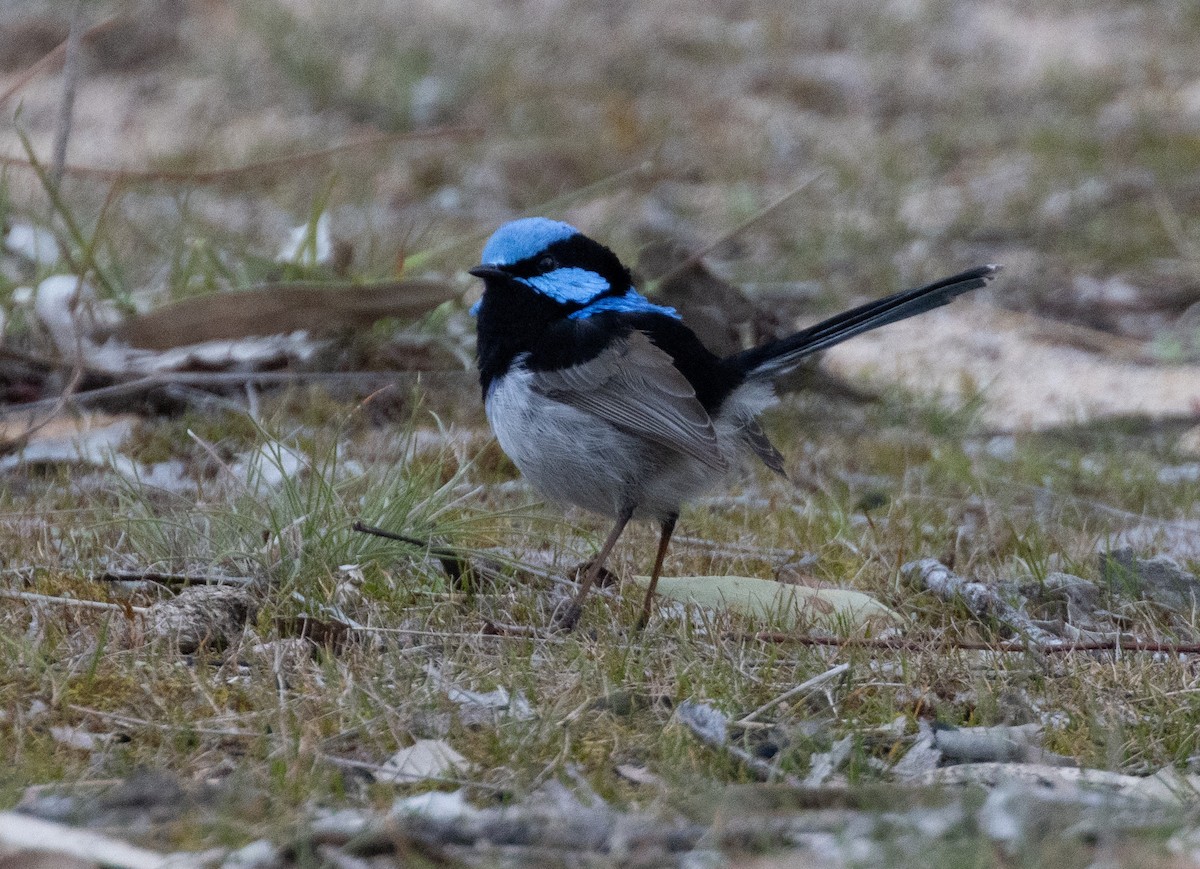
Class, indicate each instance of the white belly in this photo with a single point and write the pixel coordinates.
(573, 457)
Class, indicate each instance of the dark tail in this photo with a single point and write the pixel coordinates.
(780, 356)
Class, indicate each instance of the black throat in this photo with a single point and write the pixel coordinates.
(511, 319)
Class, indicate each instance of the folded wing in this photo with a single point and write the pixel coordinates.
(636, 387)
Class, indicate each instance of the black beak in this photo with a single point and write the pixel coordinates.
(486, 272)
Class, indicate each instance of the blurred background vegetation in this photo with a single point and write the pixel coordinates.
(1061, 138)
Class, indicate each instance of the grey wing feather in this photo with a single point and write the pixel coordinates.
(635, 386)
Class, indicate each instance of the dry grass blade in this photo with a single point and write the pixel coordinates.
(71, 73)
(778, 203)
(268, 167)
(946, 643)
(803, 688)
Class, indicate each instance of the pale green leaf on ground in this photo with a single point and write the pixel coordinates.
(787, 606)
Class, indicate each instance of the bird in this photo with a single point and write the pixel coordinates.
(607, 401)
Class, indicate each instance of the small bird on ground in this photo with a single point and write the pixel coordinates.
(606, 400)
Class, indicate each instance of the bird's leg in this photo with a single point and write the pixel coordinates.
(569, 617)
(668, 528)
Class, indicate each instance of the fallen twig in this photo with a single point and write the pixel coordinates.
(980, 599)
(456, 567)
(171, 579)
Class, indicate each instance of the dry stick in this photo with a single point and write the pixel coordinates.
(762, 769)
(377, 770)
(802, 688)
(456, 567)
(170, 579)
(929, 574)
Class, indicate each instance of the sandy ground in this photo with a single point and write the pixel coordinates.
(1027, 377)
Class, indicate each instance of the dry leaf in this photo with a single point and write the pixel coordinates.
(283, 308)
(425, 759)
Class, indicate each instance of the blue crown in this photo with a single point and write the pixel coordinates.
(521, 239)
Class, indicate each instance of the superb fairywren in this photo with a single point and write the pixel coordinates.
(606, 400)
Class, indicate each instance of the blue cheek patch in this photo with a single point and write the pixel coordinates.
(521, 239)
(474, 309)
(632, 302)
(569, 285)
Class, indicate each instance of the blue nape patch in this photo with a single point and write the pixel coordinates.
(632, 302)
(569, 285)
(521, 239)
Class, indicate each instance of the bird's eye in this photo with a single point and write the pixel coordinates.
(547, 264)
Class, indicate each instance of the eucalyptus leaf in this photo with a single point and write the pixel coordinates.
(785, 605)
